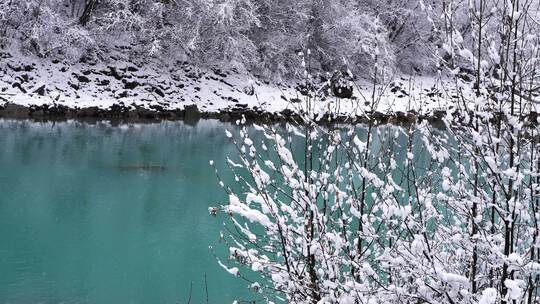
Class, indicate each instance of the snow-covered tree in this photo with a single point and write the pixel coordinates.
(259, 36)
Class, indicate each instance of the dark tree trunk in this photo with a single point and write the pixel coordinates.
(88, 8)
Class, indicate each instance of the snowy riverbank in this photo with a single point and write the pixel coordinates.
(133, 90)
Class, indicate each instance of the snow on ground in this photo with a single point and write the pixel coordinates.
(32, 81)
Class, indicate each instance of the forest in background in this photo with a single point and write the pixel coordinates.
(261, 37)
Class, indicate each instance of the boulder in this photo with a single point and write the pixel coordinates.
(158, 91)
(112, 72)
(341, 85)
(342, 91)
(26, 68)
(192, 114)
(19, 86)
(130, 85)
(40, 90)
(104, 82)
(82, 78)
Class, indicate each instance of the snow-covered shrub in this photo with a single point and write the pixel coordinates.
(344, 214)
(402, 215)
(367, 214)
(347, 214)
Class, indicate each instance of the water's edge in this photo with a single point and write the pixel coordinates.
(191, 114)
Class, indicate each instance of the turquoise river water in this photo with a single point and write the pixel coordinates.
(92, 213)
(95, 213)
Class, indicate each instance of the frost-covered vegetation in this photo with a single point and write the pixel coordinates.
(264, 36)
(414, 214)
(260, 36)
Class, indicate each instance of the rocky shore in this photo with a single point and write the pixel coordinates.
(191, 115)
(131, 90)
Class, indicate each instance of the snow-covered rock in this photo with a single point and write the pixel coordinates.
(124, 85)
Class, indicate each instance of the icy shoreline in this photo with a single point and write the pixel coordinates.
(133, 91)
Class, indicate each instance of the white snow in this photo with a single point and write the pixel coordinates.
(211, 91)
(234, 270)
(489, 296)
(253, 215)
(514, 288)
